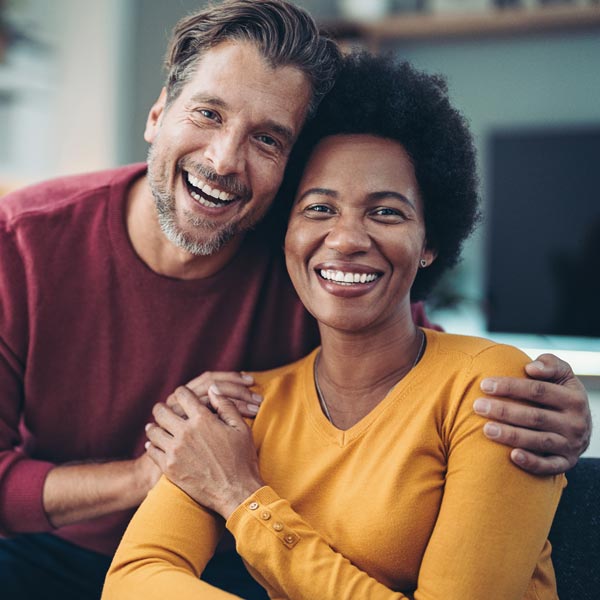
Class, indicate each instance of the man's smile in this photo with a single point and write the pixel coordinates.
(208, 195)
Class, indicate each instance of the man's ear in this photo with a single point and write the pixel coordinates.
(155, 117)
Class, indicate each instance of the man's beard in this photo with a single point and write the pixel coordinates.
(208, 238)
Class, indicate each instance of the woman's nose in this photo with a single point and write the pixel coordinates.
(348, 236)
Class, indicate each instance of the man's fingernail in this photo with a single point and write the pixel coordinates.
(147, 426)
(247, 378)
(538, 364)
(519, 457)
(482, 406)
(257, 398)
(488, 385)
(252, 408)
(147, 445)
(491, 430)
(214, 389)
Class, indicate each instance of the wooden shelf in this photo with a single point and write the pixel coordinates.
(485, 24)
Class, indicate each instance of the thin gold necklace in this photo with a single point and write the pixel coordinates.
(320, 395)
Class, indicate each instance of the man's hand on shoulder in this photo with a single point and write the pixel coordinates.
(549, 436)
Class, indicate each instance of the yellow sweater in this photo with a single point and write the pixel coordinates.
(411, 502)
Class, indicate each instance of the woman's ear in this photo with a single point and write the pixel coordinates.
(155, 117)
(427, 256)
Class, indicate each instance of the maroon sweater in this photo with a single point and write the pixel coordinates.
(91, 338)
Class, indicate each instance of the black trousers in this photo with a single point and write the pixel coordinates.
(40, 566)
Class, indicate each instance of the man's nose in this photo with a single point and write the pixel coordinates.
(226, 152)
(348, 235)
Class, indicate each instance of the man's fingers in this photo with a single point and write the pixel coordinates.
(157, 455)
(158, 436)
(166, 417)
(226, 409)
(238, 393)
(540, 442)
(199, 385)
(519, 388)
(519, 415)
(246, 402)
(189, 401)
(540, 465)
(551, 368)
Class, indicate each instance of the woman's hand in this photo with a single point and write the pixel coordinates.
(547, 438)
(208, 452)
(232, 384)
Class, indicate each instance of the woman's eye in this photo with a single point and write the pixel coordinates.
(318, 210)
(389, 214)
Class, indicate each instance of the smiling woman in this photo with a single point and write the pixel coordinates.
(357, 233)
(365, 473)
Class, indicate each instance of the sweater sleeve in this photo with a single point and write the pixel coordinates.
(293, 560)
(21, 478)
(164, 550)
(489, 537)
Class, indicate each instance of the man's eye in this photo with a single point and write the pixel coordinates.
(267, 140)
(209, 114)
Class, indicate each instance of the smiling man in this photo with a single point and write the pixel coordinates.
(116, 287)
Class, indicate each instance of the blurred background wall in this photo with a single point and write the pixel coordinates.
(77, 78)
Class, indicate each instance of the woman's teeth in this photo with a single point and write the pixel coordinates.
(347, 278)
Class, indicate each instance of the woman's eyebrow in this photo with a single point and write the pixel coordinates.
(319, 192)
(391, 194)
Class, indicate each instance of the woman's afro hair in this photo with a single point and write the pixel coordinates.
(381, 96)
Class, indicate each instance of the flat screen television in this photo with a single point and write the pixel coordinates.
(543, 232)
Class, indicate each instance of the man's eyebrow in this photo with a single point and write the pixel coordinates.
(285, 132)
(270, 125)
(212, 100)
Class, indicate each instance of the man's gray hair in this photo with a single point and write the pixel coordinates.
(285, 34)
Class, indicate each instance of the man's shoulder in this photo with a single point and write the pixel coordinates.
(49, 196)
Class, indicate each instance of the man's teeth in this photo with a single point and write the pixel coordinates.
(341, 277)
(206, 189)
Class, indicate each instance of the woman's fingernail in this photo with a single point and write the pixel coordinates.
(488, 385)
(252, 408)
(247, 378)
(491, 430)
(147, 426)
(538, 364)
(257, 398)
(214, 389)
(482, 406)
(147, 445)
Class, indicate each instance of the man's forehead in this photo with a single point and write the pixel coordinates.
(235, 75)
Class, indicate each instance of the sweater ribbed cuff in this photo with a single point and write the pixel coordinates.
(21, 504)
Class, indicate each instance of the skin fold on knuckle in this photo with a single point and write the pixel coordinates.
(501, 411)
(537, 390)
(536, 418)
(510, 436)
